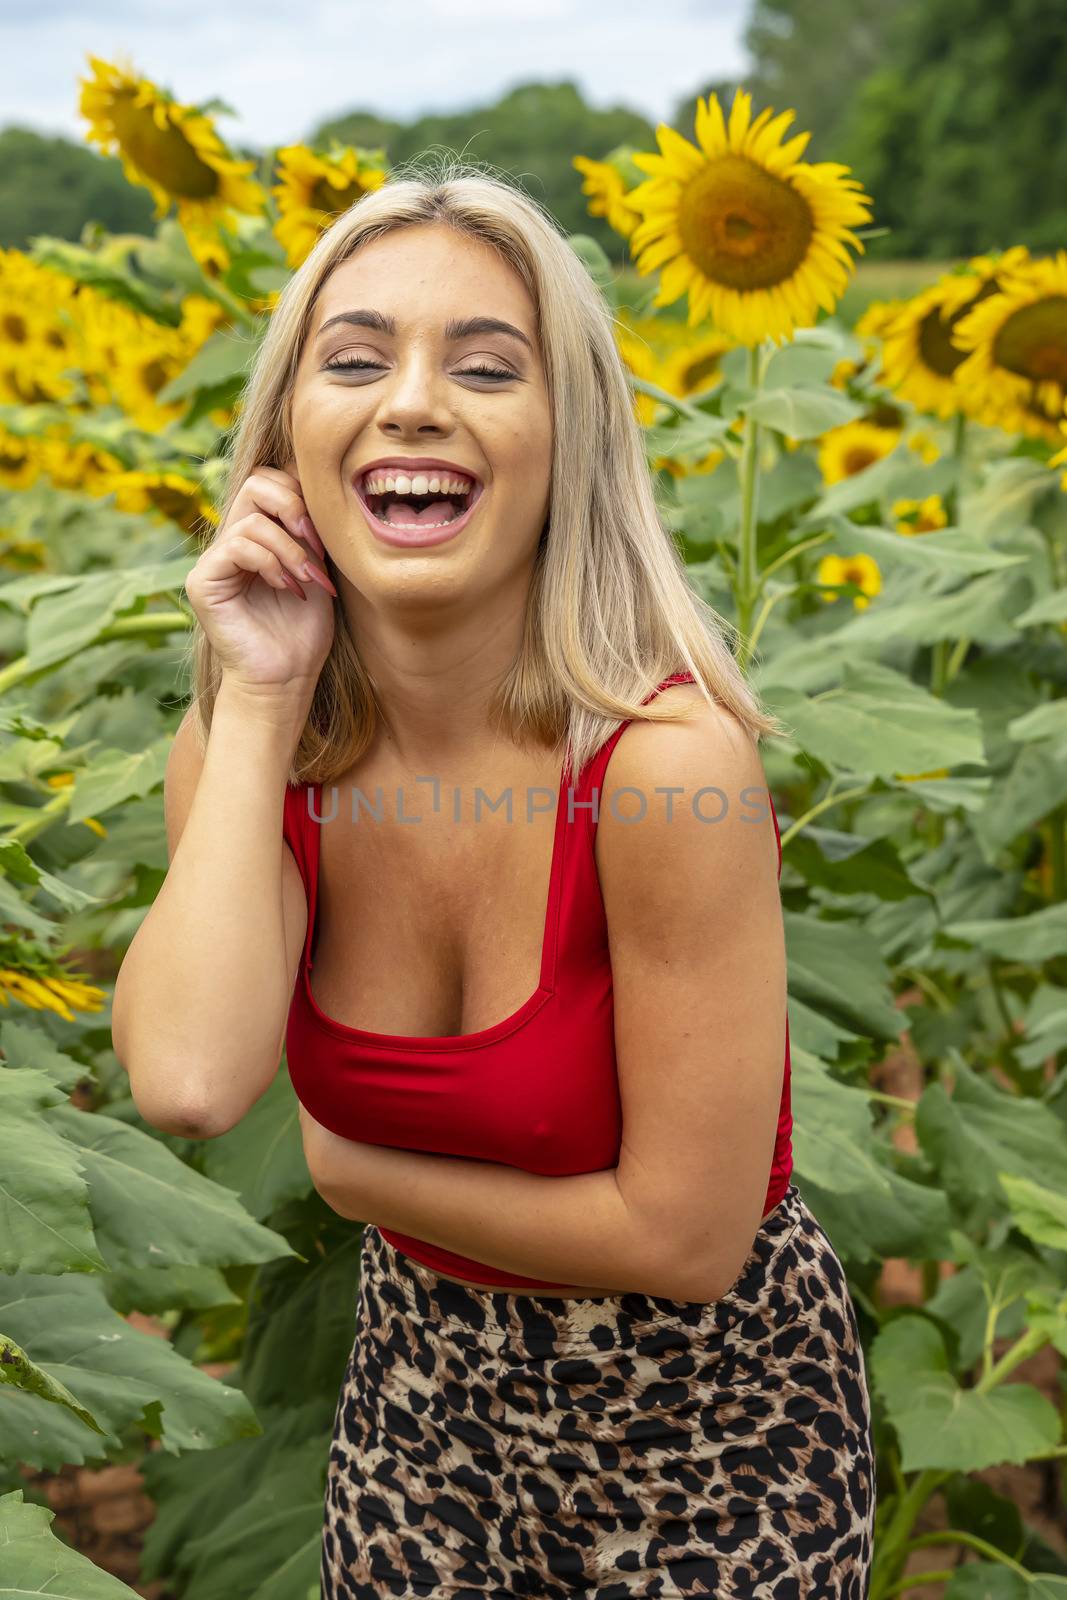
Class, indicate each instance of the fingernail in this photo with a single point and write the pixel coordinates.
(291, 583)
(318, 577)
(307, 530)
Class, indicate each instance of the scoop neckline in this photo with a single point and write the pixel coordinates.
(449, 1041)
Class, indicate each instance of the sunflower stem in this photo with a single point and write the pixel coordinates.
(959, 461)
(746, 587)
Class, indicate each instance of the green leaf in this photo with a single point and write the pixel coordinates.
(271, 1543)
(1048, 721)
(155, 1290)
(833, 1135)
(809, 358)
(1036, 1210)
(194, 1493)
(122, 1376)
(1038, 937)
(944, 551)
(879, 722)
(1050, 608)
(946, 1428)
(262, 1157)
(151, 1209)
(979, 1132)
(25, 1045)
(693, 436)
(35, 1561)
(983, 610)
(226, 355)
(1033, 786)
(107, 277)
(849, 863)
(893, 1217)
(116, 775)
(64, 622)
(804, 411)
(1004, 501)
(45, 1222)
(17, 1369)
(837, 968)
(895, 477)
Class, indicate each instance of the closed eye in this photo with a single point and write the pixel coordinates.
(358, 364)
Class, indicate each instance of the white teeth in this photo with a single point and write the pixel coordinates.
(420, 483)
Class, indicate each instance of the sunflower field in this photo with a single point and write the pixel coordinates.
(880, 509)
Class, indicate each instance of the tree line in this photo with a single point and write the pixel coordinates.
(949, 111)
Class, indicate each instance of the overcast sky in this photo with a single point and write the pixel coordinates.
(283, 68)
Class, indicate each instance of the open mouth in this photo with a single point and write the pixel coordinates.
(435, 508)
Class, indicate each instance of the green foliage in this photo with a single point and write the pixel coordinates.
(53, 185)
(950, 114)
(794, 64)
(532, 133)
(959, 130)
(922, 794)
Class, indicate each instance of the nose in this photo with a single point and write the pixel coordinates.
(414, 400)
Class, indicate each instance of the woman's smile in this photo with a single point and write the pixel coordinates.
(400, 516)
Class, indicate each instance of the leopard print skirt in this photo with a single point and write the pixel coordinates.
(489, 1444)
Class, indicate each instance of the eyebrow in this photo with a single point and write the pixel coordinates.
(455, 328)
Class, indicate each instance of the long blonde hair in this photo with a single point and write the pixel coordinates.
(611, 611)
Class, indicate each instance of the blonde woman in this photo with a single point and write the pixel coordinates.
(469, 813)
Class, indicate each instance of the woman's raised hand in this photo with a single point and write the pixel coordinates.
(266, 630)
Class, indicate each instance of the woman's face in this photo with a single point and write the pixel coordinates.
(421, 395)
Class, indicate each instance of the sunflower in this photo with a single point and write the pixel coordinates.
(50, 992)
(920, 516)
(862, 570)
(694, 368)
(315, 188)
(128, 358)
(170, 149)
(643, 361)
(23, 555)
(37, 331)
(756, 236)
(607, 189)
(173, 495)
(79, 465)
(921, 357)
(20, 460)
(206, 245)
(1016, 342)
(853, 447)
(926, 446)
(869, 329)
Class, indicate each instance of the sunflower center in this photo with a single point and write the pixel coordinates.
(324, 197)
(935, 344)
(154, 375)
(742, 226)
(935, 334)
(699, 370)
(14, 327)
(164, 154)
(858, 458)
(1033, 340)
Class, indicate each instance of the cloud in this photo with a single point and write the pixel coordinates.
(286, 70)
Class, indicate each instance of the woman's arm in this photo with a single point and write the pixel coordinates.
(698, 964)
(202, 996)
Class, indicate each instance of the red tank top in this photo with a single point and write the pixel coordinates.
(539, 1090)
